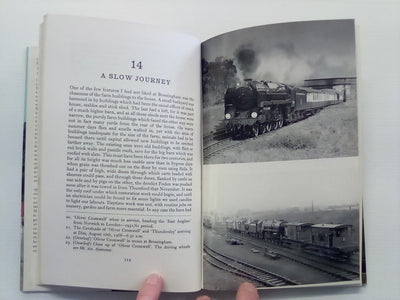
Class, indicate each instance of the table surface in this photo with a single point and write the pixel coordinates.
(378, 63)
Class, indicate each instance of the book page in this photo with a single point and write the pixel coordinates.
(281, 176)
(120, 156)
(30, 195)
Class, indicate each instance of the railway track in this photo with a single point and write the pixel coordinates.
(241, 268)
(219, 134)
(334, 271)
(220, 141)
(220, 146)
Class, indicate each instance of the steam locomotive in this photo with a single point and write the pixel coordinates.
(256, 107)
(329, 240)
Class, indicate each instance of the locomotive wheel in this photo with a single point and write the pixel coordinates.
(235, 132)
(280, 123)
(276, 125)
(263, 128)
(268, 127)
(255, 130)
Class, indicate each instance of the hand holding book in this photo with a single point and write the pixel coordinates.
(153, 285)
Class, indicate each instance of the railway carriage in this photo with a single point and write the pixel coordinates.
(259, 228)
(331, 235)
(242, 225)
(253, 227)
(335, 237)
(236, 225)
(297, 233)
(229, 224)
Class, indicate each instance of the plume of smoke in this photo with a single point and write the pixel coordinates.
(282, 62)
(246, 59)
(279, 62)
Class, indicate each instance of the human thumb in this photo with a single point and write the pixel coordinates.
(247, 291)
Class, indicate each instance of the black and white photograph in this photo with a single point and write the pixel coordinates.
(280, 92)
(281, 179)
(282, 224)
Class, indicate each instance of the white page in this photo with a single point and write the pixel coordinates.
(80, 54)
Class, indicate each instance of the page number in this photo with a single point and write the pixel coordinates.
(137, 65)
(127, 259)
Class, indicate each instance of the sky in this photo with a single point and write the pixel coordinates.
(289, 52)
(228, 188)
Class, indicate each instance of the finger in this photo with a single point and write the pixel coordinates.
(151, 288)
(247, 291)
(203, 298)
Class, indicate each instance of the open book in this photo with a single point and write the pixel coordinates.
(209, 163)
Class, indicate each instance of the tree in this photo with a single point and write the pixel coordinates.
(217, 77)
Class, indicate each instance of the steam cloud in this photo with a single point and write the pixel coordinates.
(283, 62)
(279, 62)
(246, 59)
